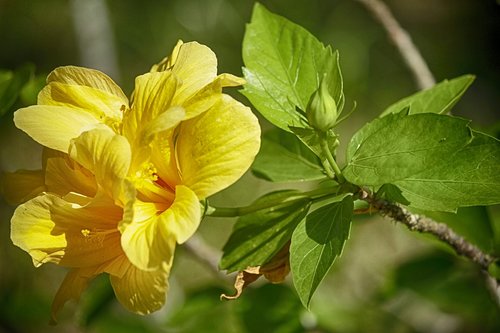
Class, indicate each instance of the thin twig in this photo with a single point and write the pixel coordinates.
(402, 40)
(423, 224)
(424, 79)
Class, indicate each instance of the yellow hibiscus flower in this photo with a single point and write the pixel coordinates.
(122, 182)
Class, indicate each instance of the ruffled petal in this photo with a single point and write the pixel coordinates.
(152, 96)
(149, 241)
(145, 245)
(51, 229)
(164, 159)
(216, 148)
(209, 95)
(106, 154)
(54, 126)
(196, 66)
(102, 105)
(64, 175)
(183, 217)
(22, 185)
(81, 76)
(141, 291)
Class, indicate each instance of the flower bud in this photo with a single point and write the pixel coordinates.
(321, 110)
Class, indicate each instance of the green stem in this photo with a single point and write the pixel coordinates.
(315, 195)
(331, 160)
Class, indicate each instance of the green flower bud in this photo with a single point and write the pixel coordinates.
(321, 110)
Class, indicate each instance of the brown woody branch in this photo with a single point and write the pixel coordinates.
(423, 224)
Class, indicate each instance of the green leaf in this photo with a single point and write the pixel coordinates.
(283, 157)
(316, 243)
(396, 147)
(257, 237)
(284, 64)
(469, 176)
(436, 161)
(391, 192)
(11, 84)
(438, 99)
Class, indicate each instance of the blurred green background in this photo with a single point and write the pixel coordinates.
(388, 280)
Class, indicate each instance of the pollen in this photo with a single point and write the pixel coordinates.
(85, 232)
(148, 171)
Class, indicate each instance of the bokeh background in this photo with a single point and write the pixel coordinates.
(388, 280)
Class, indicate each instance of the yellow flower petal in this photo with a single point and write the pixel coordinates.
(140, 291)
(145, 246)
(22, 185)
(64, 175)
(183, 217)
(104, 106)
(163, 157)
(167, 62)
(150, 242)
(81, 76)
(152, 96)
(53, 230)
(54, 126)
(165, 121)
(106, 154)
(216, 148)
(196, 66)
(73, 285)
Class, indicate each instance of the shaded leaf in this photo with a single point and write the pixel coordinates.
(282, 157)
(468, 177)
(316, 243)
(11, 84)
(284, 64)
(437, 99)
(257, 237)
(391, 192)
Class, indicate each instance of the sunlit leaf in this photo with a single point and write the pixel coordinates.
(436, 161)
(257, 237)
(284, 64)
(283, 157)
(438, 99)
(316, 243)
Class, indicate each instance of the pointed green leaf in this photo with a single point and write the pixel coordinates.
(436, 161)
(284, 64)
(257, 237)
(283, 157)
(438, 99)
(397, 147)
(470, 176)
(316, 243)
